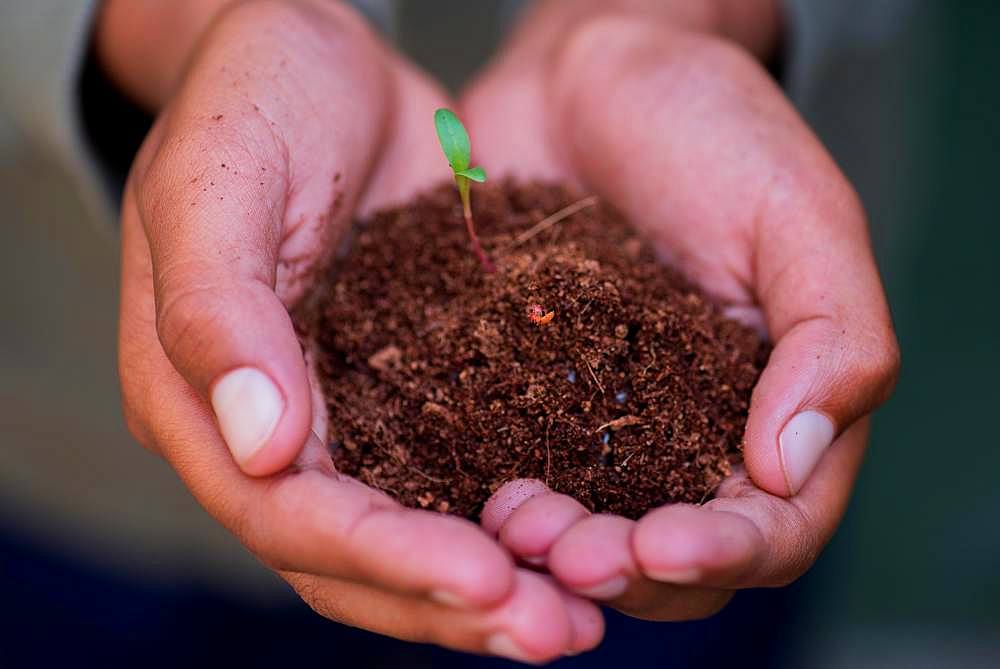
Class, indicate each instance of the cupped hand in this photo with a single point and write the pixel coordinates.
(291, 118)
(689, 136)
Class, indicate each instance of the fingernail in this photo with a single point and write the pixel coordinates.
(449, 599)
(678, 576)
(802, 442)
(247, 405)
(607, 590)
(502, 645)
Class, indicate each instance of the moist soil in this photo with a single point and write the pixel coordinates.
(582, 361)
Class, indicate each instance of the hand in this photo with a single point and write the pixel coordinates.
(687, 135)
(291, 118)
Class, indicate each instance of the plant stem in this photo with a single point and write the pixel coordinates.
(463, 191)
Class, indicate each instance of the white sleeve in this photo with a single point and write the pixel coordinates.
(43, 46)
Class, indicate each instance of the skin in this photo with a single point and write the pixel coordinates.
(685, 132)
(278, 122)
(213, 258)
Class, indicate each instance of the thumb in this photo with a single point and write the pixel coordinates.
(836, 358)
(218, 317)
(222, 213)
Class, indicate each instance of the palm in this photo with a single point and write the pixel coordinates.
(698, 147)
(282, 133)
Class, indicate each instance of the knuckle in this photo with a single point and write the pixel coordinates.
(878, 366)
(889, 364)
(185, 318)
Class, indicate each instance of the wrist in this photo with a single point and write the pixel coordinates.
(143, 46)
(755, 25)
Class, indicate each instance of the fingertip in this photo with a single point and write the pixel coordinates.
(506, 500)
(802, 443)
(690, 545)
(534, 527)
(785, 467)
(536, 622)
(473, 572)
(264, 426)
(235, 345)
(587, 623)
(594, 557)
(824, 373)
(764, 469)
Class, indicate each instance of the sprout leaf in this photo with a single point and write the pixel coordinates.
(477, 174)
(454, 139)
(455, 144)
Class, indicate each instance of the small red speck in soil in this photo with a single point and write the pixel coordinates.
(539, 316)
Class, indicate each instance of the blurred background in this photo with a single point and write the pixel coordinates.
(106, 560)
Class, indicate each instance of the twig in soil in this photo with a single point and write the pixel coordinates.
(370, 480)
(592, 375)
(427, 476)
(706, 495)
(619, 423)
(549, 221)
(625, 461)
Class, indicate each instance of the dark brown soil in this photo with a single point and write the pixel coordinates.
(443, 382)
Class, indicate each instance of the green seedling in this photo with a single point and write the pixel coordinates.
(455, 144)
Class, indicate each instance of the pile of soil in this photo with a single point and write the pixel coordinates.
(582, 361)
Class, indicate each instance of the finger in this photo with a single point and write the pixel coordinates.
(227, 188)
(536, 623)
(835, 357)
(533, 524)
(593, 558)
(586, 622)
(507, 499)
(534, 528)
(747, 537)
(309, 519)
(736, 191)
(693, 545)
